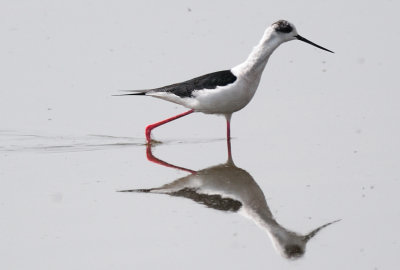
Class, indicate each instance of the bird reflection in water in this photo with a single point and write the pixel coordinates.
(228, 188)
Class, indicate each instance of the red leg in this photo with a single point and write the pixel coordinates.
(228, 136)
(152, 158)
(228, 129)
(149, 128)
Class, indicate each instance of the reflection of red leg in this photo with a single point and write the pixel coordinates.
(149, 128)
(152, 158)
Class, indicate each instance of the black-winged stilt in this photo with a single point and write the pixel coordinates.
(228, 91)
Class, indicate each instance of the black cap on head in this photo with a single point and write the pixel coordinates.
(283, 26)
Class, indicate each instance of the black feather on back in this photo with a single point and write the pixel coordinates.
(208, 81)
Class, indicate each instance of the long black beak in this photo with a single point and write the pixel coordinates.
(312, 43)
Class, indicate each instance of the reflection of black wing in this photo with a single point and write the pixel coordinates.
(214, 201)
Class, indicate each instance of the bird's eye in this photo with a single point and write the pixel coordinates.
(283, 26)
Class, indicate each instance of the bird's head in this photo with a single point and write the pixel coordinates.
(286, 31)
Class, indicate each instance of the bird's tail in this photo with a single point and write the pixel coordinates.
(132, 93)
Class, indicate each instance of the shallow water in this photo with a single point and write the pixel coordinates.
(317, 146)
(64, 198)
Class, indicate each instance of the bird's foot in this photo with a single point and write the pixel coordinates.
(153, 142)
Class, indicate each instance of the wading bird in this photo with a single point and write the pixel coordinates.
(227, 91)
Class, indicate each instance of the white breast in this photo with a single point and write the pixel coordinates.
(226, 99)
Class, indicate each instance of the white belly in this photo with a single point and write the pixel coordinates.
(224, 100)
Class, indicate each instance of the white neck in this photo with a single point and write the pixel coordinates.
(258, 58)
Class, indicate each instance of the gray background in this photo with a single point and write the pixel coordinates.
(321, 136)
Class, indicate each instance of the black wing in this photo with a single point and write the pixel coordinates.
(208, 81)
